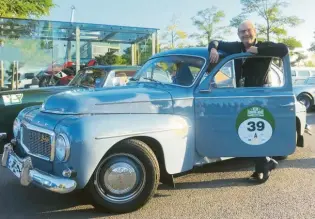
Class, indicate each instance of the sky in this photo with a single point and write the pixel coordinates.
(158, 13)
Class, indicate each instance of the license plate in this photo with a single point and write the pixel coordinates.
(15, 165)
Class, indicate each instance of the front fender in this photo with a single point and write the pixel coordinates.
(91, 137)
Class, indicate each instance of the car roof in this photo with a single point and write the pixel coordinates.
(194, 51)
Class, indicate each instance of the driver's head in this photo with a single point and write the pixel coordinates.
(247, 33)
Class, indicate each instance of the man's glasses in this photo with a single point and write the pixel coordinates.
(244, 31)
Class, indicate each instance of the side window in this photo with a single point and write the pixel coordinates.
(225, 76)
(303, 73)
(250, 72)
(276, 76)
(163, 72)
(174, 69)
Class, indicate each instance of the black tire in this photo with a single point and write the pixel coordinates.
(145, 178)
(307, 100)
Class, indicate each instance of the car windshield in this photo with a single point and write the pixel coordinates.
(174, 69)
(98, 77)
(89, 78)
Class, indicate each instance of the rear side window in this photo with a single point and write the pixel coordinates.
(303, 73)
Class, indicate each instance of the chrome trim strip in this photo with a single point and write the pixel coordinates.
(60, 112)
(129, 102)
(39, 129)
(184, 98)
(137, 133)
(245, 96)
(37, 177)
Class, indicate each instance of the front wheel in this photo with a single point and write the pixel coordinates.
(126, 179)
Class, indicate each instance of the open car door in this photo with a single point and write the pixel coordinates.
(236, 121)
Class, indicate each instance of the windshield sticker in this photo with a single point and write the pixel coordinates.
(12, 99)
(255, 125)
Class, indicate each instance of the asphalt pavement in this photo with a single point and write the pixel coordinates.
(216, 191)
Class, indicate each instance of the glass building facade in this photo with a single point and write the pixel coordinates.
(29, 47)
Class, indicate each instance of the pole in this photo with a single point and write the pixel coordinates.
(13, 73)
(153, 43)
(77, 38)
(2, 73)
(17, 74)
(72, 13)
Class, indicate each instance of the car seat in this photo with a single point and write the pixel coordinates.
(183, 75)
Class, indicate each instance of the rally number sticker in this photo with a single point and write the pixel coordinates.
(255, 125)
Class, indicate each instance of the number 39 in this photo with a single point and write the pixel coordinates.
(260, 126)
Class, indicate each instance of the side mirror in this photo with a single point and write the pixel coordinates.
(212, 86)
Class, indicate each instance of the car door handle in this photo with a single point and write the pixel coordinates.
(287, 105)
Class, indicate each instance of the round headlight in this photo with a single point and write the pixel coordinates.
(16, 127)
(62, 147)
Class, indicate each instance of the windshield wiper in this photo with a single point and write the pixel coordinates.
(133, 79)
(151, 79)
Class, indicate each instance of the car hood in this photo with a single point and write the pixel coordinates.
(126, 99)
(32, 95)
(50, 90)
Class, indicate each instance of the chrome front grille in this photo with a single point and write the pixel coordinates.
(37, 141)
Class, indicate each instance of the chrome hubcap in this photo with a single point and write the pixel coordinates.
(120, 178)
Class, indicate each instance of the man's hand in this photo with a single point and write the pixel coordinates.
(214, 56)
(253, 49)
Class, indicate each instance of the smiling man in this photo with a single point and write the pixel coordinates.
(249, 43)
(251, 72)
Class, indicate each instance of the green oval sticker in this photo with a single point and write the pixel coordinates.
(255, 125)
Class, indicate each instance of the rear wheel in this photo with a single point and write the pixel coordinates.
(307, 100)
(126, 179)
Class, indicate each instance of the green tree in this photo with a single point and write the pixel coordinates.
(173, 34)
(292, 44)
(274, 22)
(127, 55)
(110, 59)
(207, 22)
(309, 64)
(25, 8)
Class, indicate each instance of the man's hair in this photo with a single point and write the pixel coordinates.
(248, 22)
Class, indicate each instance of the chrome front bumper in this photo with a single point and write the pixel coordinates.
(30, 175)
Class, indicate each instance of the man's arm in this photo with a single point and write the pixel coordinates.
(228, 47)
(272, 49)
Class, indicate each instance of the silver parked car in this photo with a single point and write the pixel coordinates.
(305, 92)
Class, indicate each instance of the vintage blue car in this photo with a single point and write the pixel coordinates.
(305, 92)
(179, 111)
